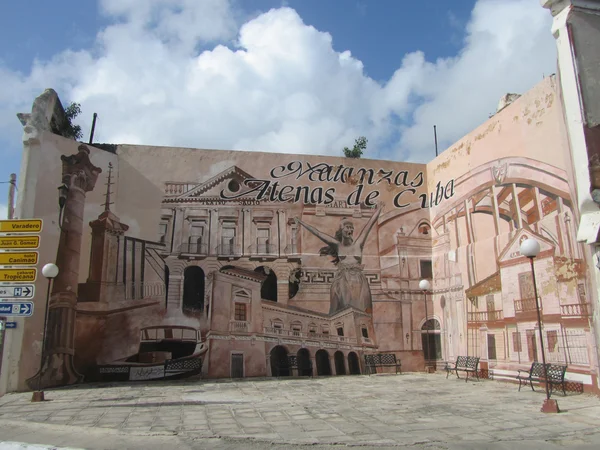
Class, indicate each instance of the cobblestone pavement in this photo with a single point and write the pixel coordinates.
(420, 410)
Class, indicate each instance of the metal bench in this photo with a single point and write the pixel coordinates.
(467, 364)
(556, 376)
(373, 361)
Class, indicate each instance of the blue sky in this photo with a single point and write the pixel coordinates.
(299, 76)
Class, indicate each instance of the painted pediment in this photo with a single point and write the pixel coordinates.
(512, 254)
(230, 180)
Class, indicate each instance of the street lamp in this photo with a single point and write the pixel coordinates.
(49, 271)
(530, 248)
(425, 285)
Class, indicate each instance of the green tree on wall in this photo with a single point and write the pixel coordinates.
(70, 130)
(360, 145)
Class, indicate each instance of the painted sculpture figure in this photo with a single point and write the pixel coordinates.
(350, 287)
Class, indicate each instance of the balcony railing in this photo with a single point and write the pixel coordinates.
(300, 334)
(193, 249)
(238, 325)
(576, 309)
(525, 305)
(229, 249)
(172, 189)
(263, 250)
(367, 340)
(485, 316)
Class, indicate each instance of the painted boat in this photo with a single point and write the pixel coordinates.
(165, 352)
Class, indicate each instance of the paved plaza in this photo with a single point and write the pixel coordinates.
(414, 410)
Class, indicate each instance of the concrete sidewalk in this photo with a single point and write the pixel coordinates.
(414, 410)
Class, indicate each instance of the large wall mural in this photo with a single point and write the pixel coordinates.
(179, 262)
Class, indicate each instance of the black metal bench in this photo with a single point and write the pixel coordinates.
(467, 364)
(372, 362)
(556, 376)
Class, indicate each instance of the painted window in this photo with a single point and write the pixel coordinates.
(526, 286)
(162, 232)
(228, 240)
(196, 237)
(240, 312)
(262, 240)
(517, 342)
(552, 338)
(426, 269)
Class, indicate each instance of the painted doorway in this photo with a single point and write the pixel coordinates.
(304, 366)
(323, 365)
(193, 289)
(353, 364)
(340, 366)
(279, 362)
(237, 365)
(431, 340)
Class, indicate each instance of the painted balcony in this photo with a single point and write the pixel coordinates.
(574, 310)
(526, 305)
(191, 249)
(240, 326)
(302, 335)
(485, 316)
(229, 250)
(262, 251)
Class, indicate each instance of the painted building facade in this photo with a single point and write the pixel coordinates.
(177, 262)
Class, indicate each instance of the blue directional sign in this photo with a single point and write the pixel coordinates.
(10, 325)
(23, 291)
(16, 308)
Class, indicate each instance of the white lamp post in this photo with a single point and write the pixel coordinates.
(530, 248)
(49, 271)
(425, 286)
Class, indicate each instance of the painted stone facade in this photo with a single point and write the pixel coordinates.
(225, 263)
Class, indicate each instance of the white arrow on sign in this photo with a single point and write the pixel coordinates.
(16, 308)
(17, 290)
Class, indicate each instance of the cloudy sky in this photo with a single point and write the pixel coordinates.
(303, 76)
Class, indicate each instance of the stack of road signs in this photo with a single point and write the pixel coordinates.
(18, 261)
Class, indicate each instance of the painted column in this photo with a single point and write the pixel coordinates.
(247, 233)
(214, 234)
(80, 175)
(496, 215)
(518, 216)
(282, 232)
(538, 207)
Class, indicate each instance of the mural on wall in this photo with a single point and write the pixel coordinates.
(255, 264)
(350, 286)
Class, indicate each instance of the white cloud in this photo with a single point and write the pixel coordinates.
(280, 86)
